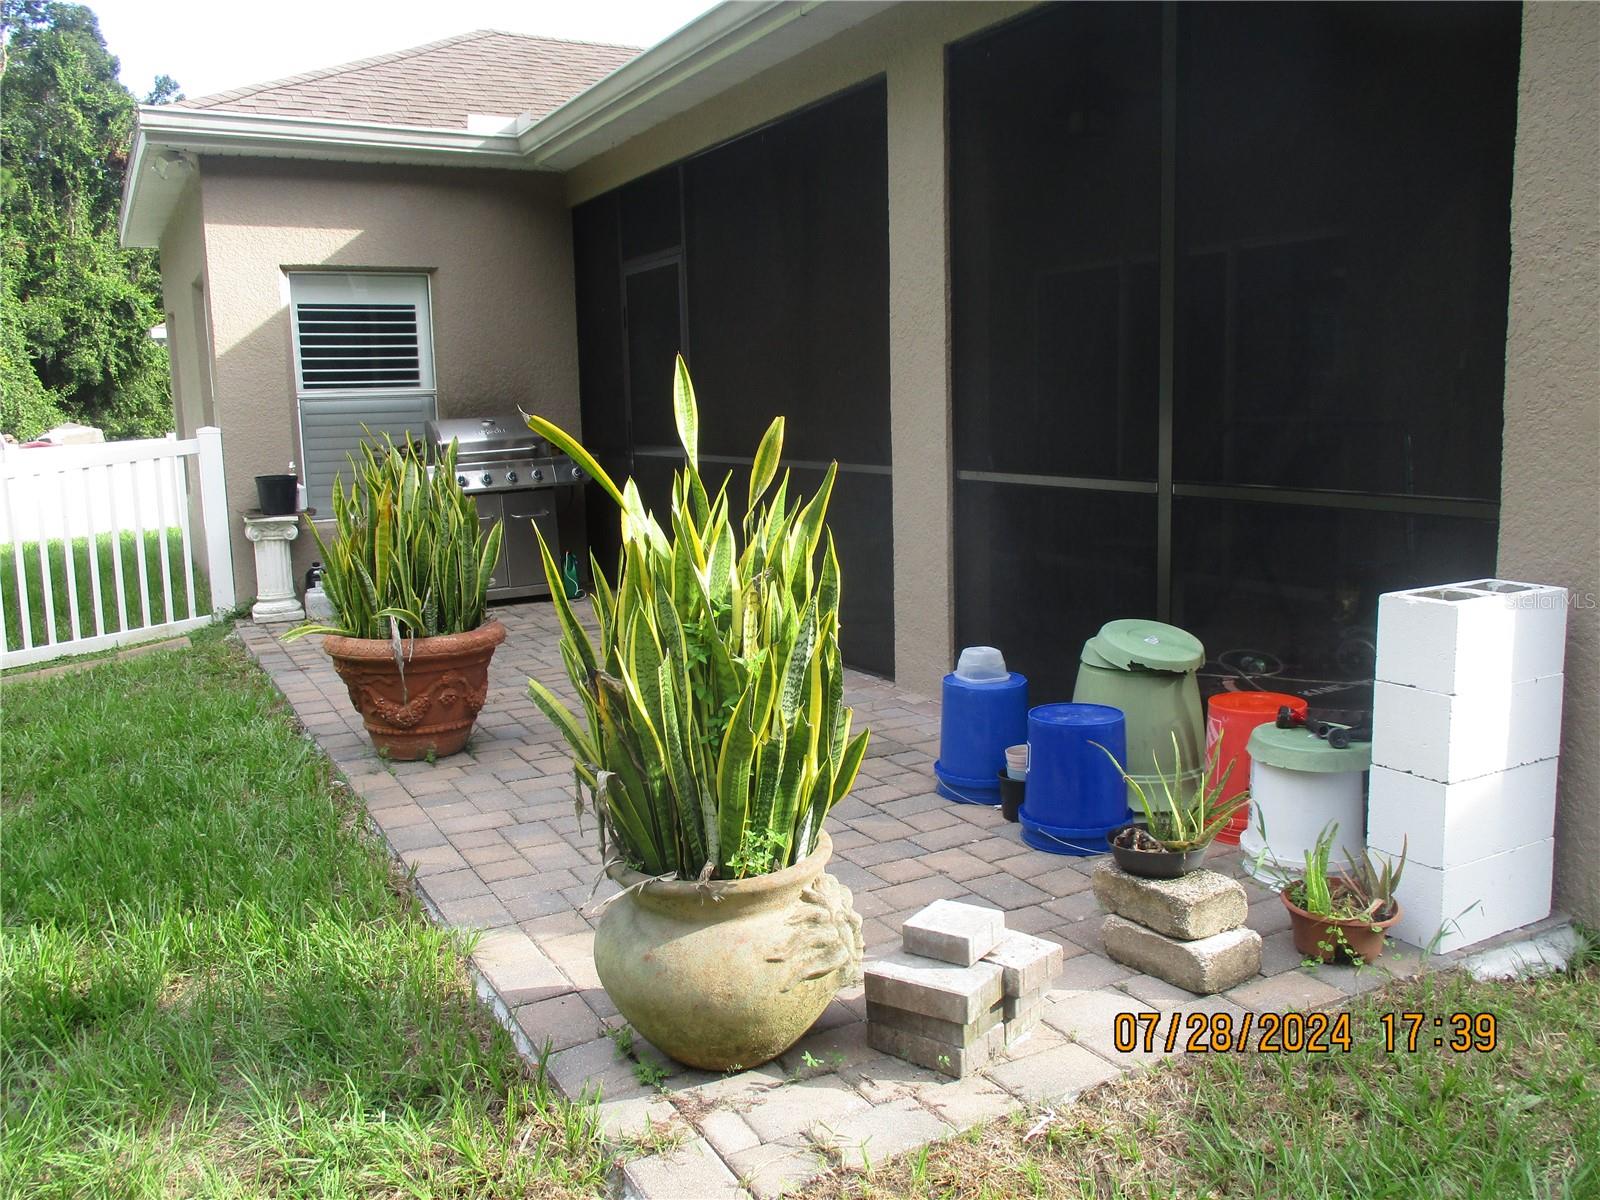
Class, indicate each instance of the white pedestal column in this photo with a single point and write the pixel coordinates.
(275, 595)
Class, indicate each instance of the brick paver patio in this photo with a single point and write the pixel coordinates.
(497, 846)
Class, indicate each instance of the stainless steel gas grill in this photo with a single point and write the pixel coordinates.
(516, 477)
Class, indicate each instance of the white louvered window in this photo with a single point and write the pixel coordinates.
(363, 356)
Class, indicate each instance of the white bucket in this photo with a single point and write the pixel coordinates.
(1294, 807)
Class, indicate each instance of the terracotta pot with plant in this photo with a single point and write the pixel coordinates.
(1178, 826)
(1342, 916)
(712, 738)
(407, 576)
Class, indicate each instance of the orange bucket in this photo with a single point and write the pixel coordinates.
(1231, 717)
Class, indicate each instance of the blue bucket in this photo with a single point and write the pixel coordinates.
(1076, 795)
(977, 721)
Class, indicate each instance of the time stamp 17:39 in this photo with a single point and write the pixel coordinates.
(1298, 1033)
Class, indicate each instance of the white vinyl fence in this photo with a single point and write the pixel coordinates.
(96, 548)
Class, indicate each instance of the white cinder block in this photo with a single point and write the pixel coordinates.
(1446, 825)
(1450, 738)
(1466, 904)
(1471, 638)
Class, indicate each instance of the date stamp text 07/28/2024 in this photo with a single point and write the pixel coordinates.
(1300, 1033)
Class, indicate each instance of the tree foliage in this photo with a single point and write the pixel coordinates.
(75, 308)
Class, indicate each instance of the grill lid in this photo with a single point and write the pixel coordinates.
(480, 438)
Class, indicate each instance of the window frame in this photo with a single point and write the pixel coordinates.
(296, 280)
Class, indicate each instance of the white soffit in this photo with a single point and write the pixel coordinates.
(726, 46)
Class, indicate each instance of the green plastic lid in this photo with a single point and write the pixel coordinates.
(1093, 657)
(1133, 643)
(1301, 750)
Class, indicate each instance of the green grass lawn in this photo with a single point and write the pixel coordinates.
(212, 984)
(129, 546)
(1520, 1122)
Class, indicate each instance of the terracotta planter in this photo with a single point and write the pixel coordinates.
(726, 975)
(429, 707)
(1362, 939)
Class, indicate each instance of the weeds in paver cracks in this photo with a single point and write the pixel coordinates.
(650, 1072)
(810, 1066)
(214, 984)
(1520, 1121)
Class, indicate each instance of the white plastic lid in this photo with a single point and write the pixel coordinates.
(979, 664)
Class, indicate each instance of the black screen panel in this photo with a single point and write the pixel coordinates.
(788, 283)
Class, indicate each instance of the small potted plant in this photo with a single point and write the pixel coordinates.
(1178, 826)
(713, 738)
(407, 576)
(1342, 915)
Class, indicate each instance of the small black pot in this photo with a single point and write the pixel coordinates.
(1154, 864)
(1011, 792)
(276, 494)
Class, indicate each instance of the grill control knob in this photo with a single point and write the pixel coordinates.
(538, 473)
(462, 480)
(487, 479)
(511, 476)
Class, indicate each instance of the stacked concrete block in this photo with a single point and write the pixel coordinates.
(962, 989)
(1466, 735)
(1188, 931)
(1028, 966)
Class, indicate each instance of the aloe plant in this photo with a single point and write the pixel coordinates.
(408, 558)
(1193, 815)
(1365, 890)
(714, 736)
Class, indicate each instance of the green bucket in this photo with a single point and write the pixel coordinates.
(1147, 669)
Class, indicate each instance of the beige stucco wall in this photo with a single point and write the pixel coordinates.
(906, 45)
(497, 245)
(183, 290)
(183, 267)
(1550, 481)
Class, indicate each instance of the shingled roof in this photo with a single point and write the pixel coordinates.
(436, 85)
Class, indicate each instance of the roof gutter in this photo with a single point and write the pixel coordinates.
(164, 132)
(720, 34)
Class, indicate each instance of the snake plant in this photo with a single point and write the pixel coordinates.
(714, 737)
(409, 558)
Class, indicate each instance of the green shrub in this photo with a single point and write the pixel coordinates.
(715, 737)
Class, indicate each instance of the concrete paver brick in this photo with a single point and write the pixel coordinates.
(934, 989)
(871, 1138)
(1293, 989)
(884, 1078)
(967, 1102)
(1052, 1076)
(954, 932)
(1090, 1018)
(633, 1117)
(692, 1171)
(1027, 963)
(1091, 971)
(560, 1022)
(728, 1132)
(1157, 993)
(778, 1168)
(955, 1061)
(784, 1111)
(949, 1033)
